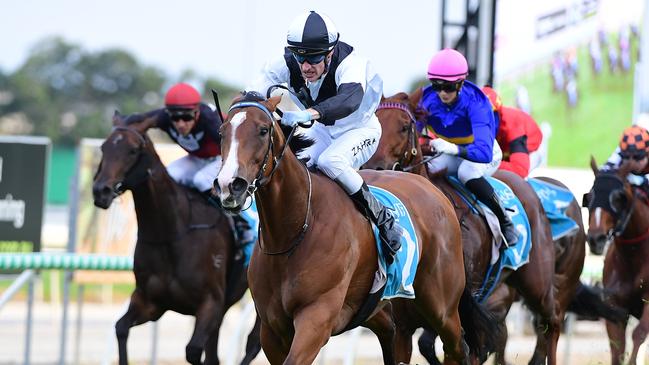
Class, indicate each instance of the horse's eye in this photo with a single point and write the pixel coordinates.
(263, 131)
(404, 128)
(133, 152)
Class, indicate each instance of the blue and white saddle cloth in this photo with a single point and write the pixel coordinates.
(519, 254)
(512, 257)
(555, 200)
(252, 217)
(401, 273)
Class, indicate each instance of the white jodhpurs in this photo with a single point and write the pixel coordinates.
(195, 172)
(340, 158)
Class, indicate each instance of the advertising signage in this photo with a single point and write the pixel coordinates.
(23, 175)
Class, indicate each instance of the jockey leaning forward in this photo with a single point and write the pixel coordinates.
(341, 93)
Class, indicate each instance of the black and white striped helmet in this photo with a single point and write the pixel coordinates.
(311, 34)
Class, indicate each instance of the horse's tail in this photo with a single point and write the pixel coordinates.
(481, 328)
(588, 303)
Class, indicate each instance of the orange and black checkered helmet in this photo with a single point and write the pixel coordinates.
(634, 142)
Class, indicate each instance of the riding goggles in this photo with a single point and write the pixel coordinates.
(633, 156)
(311, 60)
(181, 114)
(447, 86)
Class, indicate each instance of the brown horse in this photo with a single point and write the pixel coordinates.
(184, 252)
(316, 258)
(619, 213)
(536, 281)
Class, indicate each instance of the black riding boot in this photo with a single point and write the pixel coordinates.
(389, 231)
(486, 194)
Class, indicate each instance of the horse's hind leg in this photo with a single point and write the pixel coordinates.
(253, 345)
(206, 333)
(383, 327)
(139, 311)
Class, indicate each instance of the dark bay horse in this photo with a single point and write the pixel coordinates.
(537, 282)
(316, 258)
(184, 250)
(619, 213)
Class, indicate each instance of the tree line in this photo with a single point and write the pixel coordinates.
(66, 92)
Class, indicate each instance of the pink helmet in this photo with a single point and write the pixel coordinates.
(448, 64)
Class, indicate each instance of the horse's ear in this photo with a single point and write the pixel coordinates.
(415, 97)
(593, 165)
(382, 98)
(271, 103)
(625, 168)
(117, 118)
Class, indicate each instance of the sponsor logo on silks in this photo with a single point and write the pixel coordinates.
(366, 143)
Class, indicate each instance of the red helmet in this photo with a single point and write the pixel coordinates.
(182, 96)
(494, 98)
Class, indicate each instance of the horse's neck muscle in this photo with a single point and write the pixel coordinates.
(639, 222)
(157, 203)
(282, 204)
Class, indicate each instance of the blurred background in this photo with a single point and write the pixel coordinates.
(66, 66)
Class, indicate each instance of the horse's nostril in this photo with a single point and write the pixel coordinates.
(238, 186)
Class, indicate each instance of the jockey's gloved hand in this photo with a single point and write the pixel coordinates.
(443, 146)
(291, 118)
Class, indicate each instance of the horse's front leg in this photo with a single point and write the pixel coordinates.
(616, 341)
(206, 332)
(382, 325)
(313, 326)
(640, 333)
(139, 311)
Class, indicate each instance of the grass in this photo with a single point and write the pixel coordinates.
(594, 125)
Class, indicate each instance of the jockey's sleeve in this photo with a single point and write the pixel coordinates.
(483, 124)
(212, 122)
(346, 101)
(614, 160)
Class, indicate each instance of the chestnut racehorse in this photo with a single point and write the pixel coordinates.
(316, 258)
(183, 257)
(536, 281)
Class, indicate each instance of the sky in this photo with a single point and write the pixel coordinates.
(229, 40)
(232, 40)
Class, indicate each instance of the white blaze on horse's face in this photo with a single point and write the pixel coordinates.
(230, 167)
(598, 216)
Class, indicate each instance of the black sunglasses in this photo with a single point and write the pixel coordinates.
(185, 115)
(636, 157)
(447, 86)
(311, 60)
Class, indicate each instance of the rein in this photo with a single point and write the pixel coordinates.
(261, 180)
